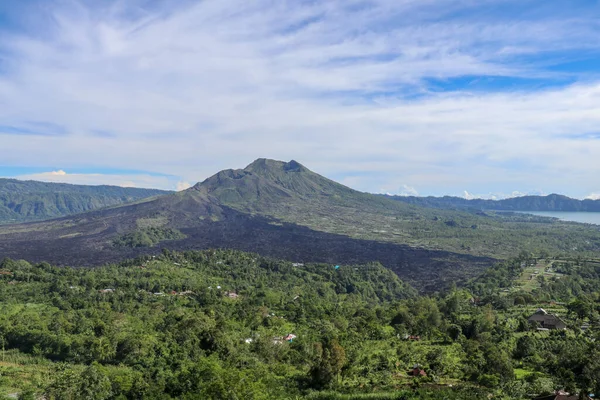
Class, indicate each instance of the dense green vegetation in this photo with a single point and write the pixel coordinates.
(214, 324)
(22, 201)
(147, 237)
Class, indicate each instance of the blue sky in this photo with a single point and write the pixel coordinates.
(430, 97)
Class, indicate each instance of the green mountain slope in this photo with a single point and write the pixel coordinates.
(22, 201)
(292, 193)
(272, 186)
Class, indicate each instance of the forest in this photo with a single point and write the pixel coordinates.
(225, 324)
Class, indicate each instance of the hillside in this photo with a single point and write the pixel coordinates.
(223, 324)
(22, 201)
(552, 202)
(285, 210)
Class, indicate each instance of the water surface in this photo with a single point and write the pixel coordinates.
(573, 216)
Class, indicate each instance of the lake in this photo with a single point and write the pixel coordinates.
(584, 217)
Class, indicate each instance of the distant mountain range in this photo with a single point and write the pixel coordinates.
(22, 201)
(552, 202)
(284, 210)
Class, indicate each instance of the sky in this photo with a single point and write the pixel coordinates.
(475, 98)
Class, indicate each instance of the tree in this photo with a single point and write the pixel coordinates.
(329, 365)
(65, 384)
(525, 347)
(454, 331)
(93, 384)
(581, 307)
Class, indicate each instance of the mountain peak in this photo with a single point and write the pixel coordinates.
(273, 169)
(265, 182)
(294, 166)
(265, 164)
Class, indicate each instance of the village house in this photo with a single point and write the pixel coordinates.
(546, 321)
(281, 339)
(107, 290)
(417, 371)
(232, 295)
(278, 340)
(290, 338)
(561, 395)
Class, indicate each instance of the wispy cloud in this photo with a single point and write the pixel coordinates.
(124, 180)
(191, 88)
(183, 186)
(406, 190)
(501, 196)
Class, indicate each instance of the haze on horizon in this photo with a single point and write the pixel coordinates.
(470, 98)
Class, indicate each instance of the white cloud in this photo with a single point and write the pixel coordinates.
(469, 196)
(183, 186)
(593, 196)
(192, 88)
(501, 196)
(124, 180)
(408, 191)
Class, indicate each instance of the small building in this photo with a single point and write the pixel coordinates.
(585, 327)
(232, 295)
(417, 371)
(107, 290)
(561, 395)
(546, 320)
(290, 338)
(278, 340)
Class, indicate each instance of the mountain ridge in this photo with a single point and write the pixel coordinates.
(284, 210)
(274, 208)
(23, 201)
(551, 202)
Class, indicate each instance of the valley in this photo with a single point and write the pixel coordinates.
(285, 210)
